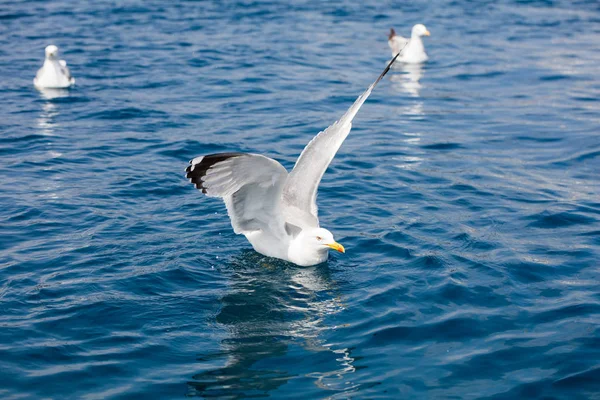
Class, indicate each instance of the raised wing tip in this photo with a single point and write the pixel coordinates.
(385, 71)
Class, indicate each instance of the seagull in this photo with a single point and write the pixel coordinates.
(54, 74)
(414, 51)
(277, 211)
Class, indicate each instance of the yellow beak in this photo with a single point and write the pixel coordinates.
(338, 247)
(427, 33)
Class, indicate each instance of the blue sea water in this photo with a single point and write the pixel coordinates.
(467, 196)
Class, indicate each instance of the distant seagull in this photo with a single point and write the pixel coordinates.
(277, 211)
(54, 74)
(414, 52)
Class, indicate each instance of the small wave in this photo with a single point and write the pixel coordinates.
(442, 146)
(549, 220)
(126, 113)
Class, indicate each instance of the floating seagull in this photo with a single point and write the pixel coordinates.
(414, 51)
(277, 211)
(54, 74)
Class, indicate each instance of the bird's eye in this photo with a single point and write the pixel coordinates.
(319, 238)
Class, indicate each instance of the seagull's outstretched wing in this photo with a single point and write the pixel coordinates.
(301, 186)
(249, 184)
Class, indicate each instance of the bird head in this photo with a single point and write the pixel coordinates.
(420, 30)
(321, 239)
(51, 52)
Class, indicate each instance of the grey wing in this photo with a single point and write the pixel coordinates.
(64, 69)
(397, 43)
(300, 191)
(249, 184)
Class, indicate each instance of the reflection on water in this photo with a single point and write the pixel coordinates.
(46, 122)
(409, 81)
(50, 94)
(46, 119)
(49, 110)
(274, 313)
(411, 158)
(412, 138)
(414, 111)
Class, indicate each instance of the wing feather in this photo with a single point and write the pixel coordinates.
(300, 191)
(397, 43)
(249, 184)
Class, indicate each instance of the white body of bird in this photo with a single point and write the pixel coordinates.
(54, 74)
(413, 50)
(277, 211)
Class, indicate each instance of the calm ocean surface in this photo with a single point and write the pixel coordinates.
(467, 196)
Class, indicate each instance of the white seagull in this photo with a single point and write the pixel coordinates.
(413, 51)
(277, 211)
(54, 74)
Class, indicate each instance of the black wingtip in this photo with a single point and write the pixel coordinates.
(389, 66)
(195, 172)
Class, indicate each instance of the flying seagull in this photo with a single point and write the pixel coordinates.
(277, 211)
(54, 74)
(413, 50)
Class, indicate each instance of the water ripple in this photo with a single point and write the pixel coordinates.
(466, 197)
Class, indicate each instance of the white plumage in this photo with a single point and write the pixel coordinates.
(413, 50)
(277, 211)
(54, 74)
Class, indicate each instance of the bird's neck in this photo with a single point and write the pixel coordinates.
(416, 38)
(299, 254)
(51, 63)
(416, 44)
